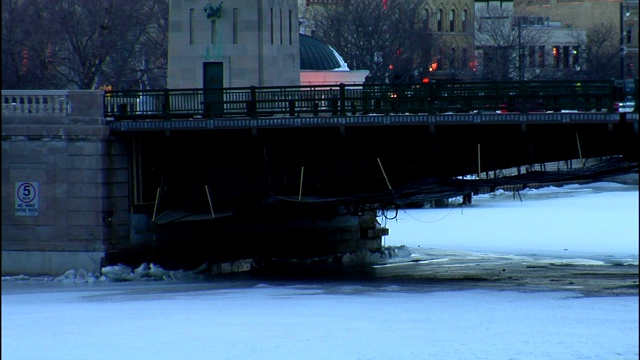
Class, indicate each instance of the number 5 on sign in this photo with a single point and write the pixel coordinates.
(27, 199)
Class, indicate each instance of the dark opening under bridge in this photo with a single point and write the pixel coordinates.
(299, 172)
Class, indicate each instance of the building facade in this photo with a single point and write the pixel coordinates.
(619, 17)
(237, 44)
(544, 39)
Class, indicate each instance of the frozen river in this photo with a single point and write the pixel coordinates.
(554, 276)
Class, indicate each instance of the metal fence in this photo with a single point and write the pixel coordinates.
(432, 97)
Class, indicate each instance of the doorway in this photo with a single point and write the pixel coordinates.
(213, 84)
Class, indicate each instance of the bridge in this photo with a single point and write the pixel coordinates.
(196, 176)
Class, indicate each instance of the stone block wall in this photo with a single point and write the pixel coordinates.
(80, 177)
(257, 43)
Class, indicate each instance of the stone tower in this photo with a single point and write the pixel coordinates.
(235, 43)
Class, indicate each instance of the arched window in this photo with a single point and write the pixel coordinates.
(425, 21)
(464, 20)
(440, 19)
(452, 20)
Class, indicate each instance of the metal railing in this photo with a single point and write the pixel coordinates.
(342, 100)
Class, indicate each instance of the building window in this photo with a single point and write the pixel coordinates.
(628, 36)
(541, 59)
(281, 39)
(191, 34)
(290, 27)
(235, 25)
(532, 56)
(214, 31)
(565, 57)
(575, 56)
(425, 21)
(271, 24)
(464, 20)
(440, 16)
(452, 20)
(556, 56)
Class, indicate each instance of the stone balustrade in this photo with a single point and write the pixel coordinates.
(35, 102)
(56, 103)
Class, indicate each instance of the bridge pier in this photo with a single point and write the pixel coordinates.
(57, 144)
(287, 233)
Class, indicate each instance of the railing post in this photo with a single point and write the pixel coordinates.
(292, 108)
(524, 99)
(635, 95)
(611, 99)
(343, 100)
(166, 104)
(253, 103)
(335, 104)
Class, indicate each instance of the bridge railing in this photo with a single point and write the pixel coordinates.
(432, 97)
(35, 102)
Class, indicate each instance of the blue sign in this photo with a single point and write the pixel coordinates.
(27, 198)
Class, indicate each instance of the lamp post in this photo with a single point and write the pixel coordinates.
(622, 44)
(520, 57)
(518, 27)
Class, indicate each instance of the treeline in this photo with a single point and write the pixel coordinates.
(84, 44)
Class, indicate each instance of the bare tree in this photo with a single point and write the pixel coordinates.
(502, 38)
(84, 44)
(27, 49)
(386, 38)
(602, 51)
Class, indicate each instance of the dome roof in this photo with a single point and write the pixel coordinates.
(316, 55)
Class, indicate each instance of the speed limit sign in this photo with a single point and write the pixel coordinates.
(27, 198)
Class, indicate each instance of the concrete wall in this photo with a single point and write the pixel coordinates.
(265, 51)
(57, 143)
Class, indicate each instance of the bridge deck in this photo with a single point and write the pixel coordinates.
(373, 120)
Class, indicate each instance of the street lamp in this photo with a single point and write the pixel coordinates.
(520, 57)
(518, 26)
(623, 15)
(622, 44)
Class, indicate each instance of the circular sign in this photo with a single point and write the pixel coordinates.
(26, 193)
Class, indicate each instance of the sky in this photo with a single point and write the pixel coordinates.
(241, 318)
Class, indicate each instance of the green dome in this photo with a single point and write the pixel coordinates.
(316, 55)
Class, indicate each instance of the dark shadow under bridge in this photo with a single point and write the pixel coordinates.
(297, 176)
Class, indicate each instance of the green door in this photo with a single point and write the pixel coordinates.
(213, 87)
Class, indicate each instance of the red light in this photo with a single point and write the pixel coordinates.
(425, 80)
